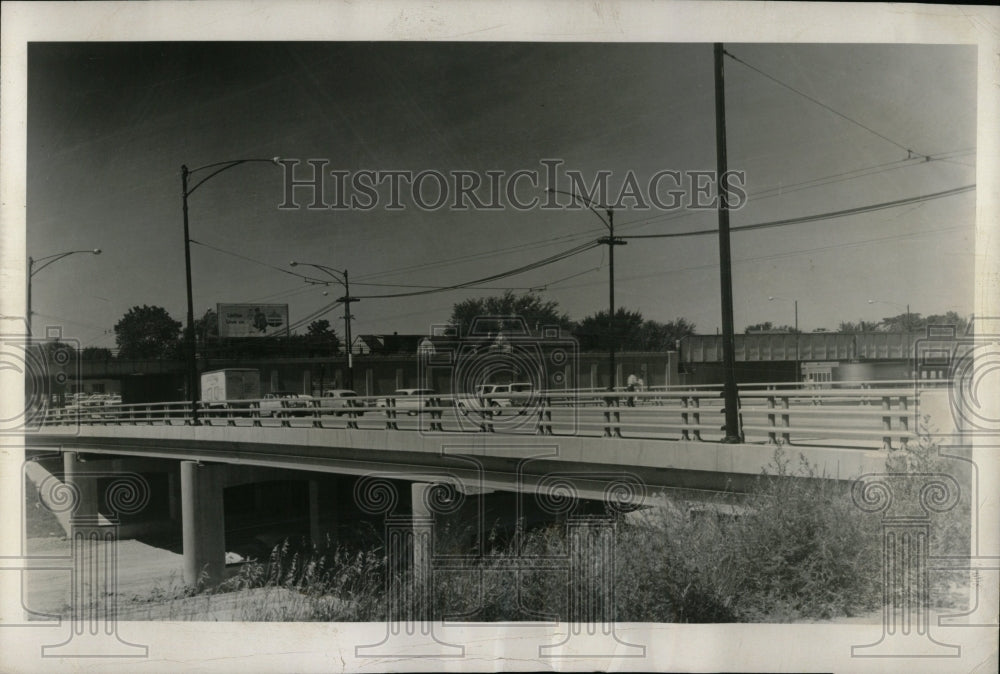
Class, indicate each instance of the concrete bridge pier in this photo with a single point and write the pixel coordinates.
(422, 535)
(203, 521)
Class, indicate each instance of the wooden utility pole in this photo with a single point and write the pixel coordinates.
(731, 399)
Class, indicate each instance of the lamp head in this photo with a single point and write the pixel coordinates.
(771, 298)
(97, 251)
(293, 263)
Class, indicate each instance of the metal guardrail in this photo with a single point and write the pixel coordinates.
(880, 412)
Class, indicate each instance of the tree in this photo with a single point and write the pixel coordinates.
(594, 331)
(904, 322)
(207, 327)
(147, 332)
(914, 322)
(769, 327)
(860, 326)
(536, 312)
(949, 318)
(656, 336)
(320, 334)
(95, 353)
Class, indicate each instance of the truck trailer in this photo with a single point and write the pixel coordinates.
(219, 387)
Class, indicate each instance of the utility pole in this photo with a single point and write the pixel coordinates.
(730, 396)
(341, 277)
(611, 241)
(347, 330)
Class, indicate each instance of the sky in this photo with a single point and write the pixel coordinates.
(110, 124)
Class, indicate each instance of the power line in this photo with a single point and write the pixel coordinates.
(774, 256)
(817, 182)
(519, 270)
(250, 259)
(457, 286)
(483, 254)
(818, 216)
(823, 105)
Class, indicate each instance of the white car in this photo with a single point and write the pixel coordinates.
(495, 397)
(285, 403)
(340, 398)
(412, 399)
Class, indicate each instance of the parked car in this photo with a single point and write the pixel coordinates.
(285, 403)
(340, 398)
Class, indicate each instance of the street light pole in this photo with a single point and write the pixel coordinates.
(191, 356)
(611, 240)
(346, 299)
(187, 191)
(48, 259)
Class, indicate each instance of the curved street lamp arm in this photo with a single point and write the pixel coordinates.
(585, 202)
(225, 165)
(55, 258)
(335, 274)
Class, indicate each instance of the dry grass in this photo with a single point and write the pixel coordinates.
(797, 549)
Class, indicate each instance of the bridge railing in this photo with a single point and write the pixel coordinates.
(868, 413)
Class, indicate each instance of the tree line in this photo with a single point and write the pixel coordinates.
(150, 332)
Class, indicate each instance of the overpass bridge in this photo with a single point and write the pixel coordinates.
(626, 448)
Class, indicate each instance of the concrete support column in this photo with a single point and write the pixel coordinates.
(410, 631)
(85, 486)
(204, 522)
(423, 530)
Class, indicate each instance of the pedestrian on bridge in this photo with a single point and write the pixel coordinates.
(631, 384)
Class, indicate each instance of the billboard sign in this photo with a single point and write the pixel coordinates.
(252, 320)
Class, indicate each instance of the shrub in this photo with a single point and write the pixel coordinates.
(795, 547)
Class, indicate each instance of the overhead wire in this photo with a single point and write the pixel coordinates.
(493, 277)
(483, 254)
(823, 105)
(804, 185)
(775, 256)
(812, 218)
(457, 286)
